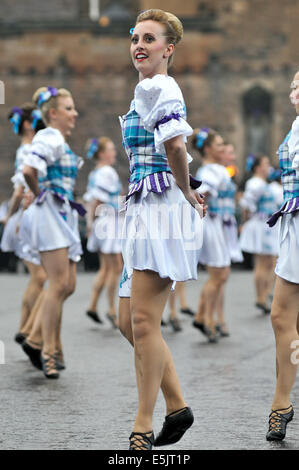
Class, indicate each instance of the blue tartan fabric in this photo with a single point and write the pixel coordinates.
(140, 148)
(224, 204)
(290, 183)
(61, 176)
(288, 176)
(266, 204)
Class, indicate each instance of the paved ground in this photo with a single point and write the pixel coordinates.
(228, 385)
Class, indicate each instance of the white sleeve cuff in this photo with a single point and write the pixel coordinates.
(99, 195)
(36, 162)
(169, 130)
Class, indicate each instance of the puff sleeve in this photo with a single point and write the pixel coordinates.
(18, 178)
(160, 104)
(106, 182)
(212, 177)
(254, 189)
(47, 147)
(294, 146)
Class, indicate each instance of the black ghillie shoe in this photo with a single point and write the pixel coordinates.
(60, 364)
(278, 424)
(94, 316)
(175, 324)
(174, 427)
(50, 367)
(222, 331)
(201, 327)
(141, 440)
(263, 307)
(19, 338)
(34, 355)
(188, 311)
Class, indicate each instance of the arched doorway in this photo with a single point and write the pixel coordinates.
(257, 115)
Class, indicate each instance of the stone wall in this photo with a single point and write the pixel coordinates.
(229, 47)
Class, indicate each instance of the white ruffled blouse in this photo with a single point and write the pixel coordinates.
(158, 98)
(293, 144)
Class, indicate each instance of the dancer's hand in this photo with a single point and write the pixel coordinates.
(197, 201)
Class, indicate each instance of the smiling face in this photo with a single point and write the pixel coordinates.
(63, 117)
(229, 155)
(108, 155)
(149, 49)
(215, 150)
(294, 95)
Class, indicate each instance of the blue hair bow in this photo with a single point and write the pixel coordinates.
(274, 174)
(37, 116)
(131, 31)
(202, 137)
(16, 119)
(46, 95)
(93, 148)
(249, 162)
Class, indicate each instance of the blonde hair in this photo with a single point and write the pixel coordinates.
(173, 26)
(51, 103)
(102, 144)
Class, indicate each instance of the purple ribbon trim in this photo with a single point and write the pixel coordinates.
(74, 205)
(194, 183)
(289, 207)
(39, 156)
(167, 118)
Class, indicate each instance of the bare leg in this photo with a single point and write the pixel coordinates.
(57, 267)
(220, 307)
(149, 295)
(70, 290)
(33, 290)
(171, 300)
(98, 284)
(27, 329)
(170, 384)
(113, 272)
(263, 274)
(211, 291)
(181, 291)
(284, 318)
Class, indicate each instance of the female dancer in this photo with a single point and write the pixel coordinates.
(217, 251)
(103, 238)
(285, 306)
(26, 122)
(155, 248)
(51, 224)
(259, 203)
(230, 228)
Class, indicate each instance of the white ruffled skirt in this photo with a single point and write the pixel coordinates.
(287, 265)
(258, 238)
(106, 232)
(162, 233)
(216, 251)
(50, 226)
(10, 237)
(232, 240)
(13, 241)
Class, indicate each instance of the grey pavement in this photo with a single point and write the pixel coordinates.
(228, 385)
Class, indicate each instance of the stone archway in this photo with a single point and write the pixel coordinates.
(257, 115)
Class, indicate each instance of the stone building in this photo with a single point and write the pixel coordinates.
(234, 65)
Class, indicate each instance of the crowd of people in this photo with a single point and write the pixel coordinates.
(152, 238)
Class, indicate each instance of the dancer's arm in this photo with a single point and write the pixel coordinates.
(177, 159)
(30, 175)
